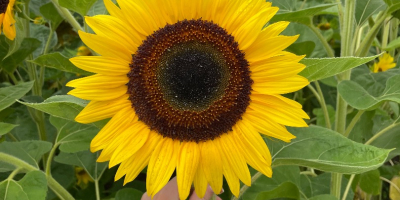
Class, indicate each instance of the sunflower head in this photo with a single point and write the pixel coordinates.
(385, 63)
(82, 177)
(7, 21)
(189, 85)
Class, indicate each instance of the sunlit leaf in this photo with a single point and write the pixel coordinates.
(8, 95)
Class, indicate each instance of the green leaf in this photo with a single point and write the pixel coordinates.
(359, 98)
(369, 182)
(394, 5)
(128, 194)
(390, 139)
(73, 136)
(320, 68)
(98, 8)
(62, 106)
(302, 16)
(42, 33)
(393, 45)
(8, 95)
(320, 115)
(79, 6)
(84, 159)
(285, 190)
(330, 152)
(51, 13)
(302, 48)
(6, 127)
(27, 151)
(323, 197)
(366, 8)
(33, 186)
(58, 61)
(28, 46)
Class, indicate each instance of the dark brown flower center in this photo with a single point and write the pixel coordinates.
(189, 81)
(3, 6)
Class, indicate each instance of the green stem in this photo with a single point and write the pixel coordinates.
(53, 184)
(13, 173)
(67, 16)
(346, 50)
(385, 34)
(323, 106)
(326, 45)
(13, 78)
(369, 38)
(380, 133)
(58, 189)
(245, 187)
(353, 122)
(13, 138)
(346, 191)
(50, 158)
(340, 13)
(45, 51)
(96, 184)
(394, 30)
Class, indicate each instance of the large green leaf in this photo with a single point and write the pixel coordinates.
(394, 5)
(28, 46)
(393, 45)
(366, 8)
(60, 62)
(72, 136)
(84, 159)
(289, 178)
(41, 33)
(79, 6)
(6, 127)
(320, 68)
(301, 16)
(326, 150)
(356, 96)
(51, 13)
(62, 106)
(27, 151)
(369, 182)
(33, 186)
(8, 95)
(128, 194)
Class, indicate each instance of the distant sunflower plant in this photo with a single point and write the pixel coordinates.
(189, 90)
(7, 21)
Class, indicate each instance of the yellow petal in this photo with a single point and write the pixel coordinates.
(106, 46)
(267, 126)
(116, 125)
(211, 164)
(269, 48)
(188, 161)
(162, 165)
(280, 104)
(251, 153)
(134, 139)
(248, 32)
(280, 86)
(200, 182)
(112, 27)
(99, 110)
(234, 157)
(231, 177)
(99, 81)
(102, 65)
(136, 163)
(9, 23)
(100, 94)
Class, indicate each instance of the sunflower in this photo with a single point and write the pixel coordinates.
(385, 63)
(189, 85)
(82, 177)
(7, 18)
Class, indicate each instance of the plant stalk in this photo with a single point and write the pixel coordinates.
(326, 45)
(67, 16)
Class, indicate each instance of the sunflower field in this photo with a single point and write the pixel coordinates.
(199, 99)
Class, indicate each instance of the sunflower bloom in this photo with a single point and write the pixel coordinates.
(7, 21)
(189, 85)
(385, 63)
(82, 177)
